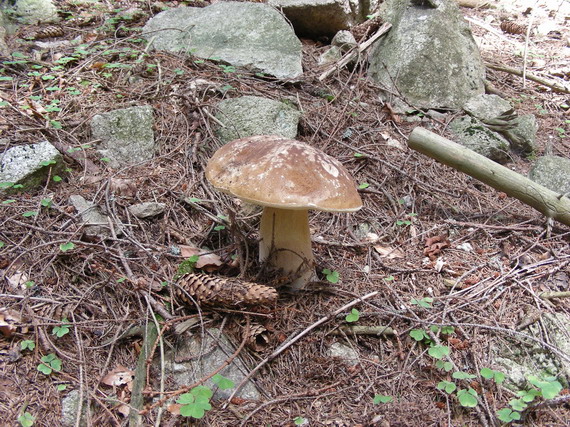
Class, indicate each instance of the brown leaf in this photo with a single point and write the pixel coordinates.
(387, 252)
(8, 320)
(174, 408)
(434, 245)
(205, 259)
(118, 377)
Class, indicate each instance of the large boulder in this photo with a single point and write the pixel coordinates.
(31, 11)
(429, 56)
(250, 35)
(473, 134)
(553, 172)
(254, 115)
(314, 18)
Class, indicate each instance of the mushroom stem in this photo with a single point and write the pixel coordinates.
(286, 239)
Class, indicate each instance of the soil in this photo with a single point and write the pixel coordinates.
(438, 247)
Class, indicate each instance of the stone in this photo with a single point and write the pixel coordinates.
(255, 115)
(95, 223)
(429, 56)
(341, 43)
(29, 165)
(523, 358)
(197, 357)
(316, 18)
(474, 135)
(250, 35)
(343, 352)
(69, 408)
(126, 135)
(553, 172)
(32, 11)
(522, 136)
(4, 51)
(147, 209)
(487, 107)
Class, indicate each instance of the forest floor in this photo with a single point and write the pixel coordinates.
(75, 301)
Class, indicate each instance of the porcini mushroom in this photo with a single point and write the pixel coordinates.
(287, 178)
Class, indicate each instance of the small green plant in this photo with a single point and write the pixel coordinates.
(187, 266)
(46, 203)
(353, 316)
(64, 247)
(467, 397)
(490, 374)
(406, 222)
(61, 387)
(382, 398)
(419, 335)
(363, 186)
(222, 382)
(424, 302)
(561, 132)
(447, 386)
(439, 351)
(27, 345)
(228, 68)
(57, 178)
(29, 214)
(60, 331)
(298, 421)
(26, 419)
(332, 276)
(49, 363)
(446, 366)
(359, 155)
(196, 402)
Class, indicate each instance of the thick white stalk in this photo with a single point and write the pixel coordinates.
(286, 239)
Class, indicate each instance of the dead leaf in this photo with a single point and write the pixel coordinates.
(118, 377)
(174, 408)
(387, 252)
(434, 245)
(9, 319)
(206, 261)
(17, 280)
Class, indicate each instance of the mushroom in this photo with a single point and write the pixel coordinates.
(287, 178)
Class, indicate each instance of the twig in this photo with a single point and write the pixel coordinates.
(294, 339)
(352, 54)
(555, 86)
(365, 330)
(552, 295)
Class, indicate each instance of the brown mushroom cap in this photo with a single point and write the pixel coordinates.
(270, 170)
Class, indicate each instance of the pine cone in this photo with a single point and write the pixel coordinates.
(512, 27)
(362, 32)
(44, 33)
(257, 337)
(224, 292)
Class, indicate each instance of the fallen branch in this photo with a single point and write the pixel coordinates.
(555, 86)
(288, 343)
(354, 53)
(546, 201)
(552, 295)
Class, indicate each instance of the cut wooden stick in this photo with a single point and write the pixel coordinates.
(352, 54)
(551, 204)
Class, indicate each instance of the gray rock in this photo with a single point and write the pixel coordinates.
(69, 408)
(147, 209)
(32, 11)
(314, 18)
(254, 115)
(429, 56)
(341, 43)
(343, 352)
(126, 135)
(523, 136)
(487, 107)
(95, 224)
(474, 135)
(29, 165)
(199, 357)
(251, 35)
(553, 172)
(521, 359)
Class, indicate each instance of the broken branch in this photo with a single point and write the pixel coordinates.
(544, 200)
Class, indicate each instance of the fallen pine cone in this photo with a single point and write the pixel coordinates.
(512, 27)
(222, 291)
